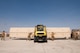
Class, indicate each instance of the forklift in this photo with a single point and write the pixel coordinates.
(40, 33)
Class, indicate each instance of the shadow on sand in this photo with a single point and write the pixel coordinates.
(42, 41)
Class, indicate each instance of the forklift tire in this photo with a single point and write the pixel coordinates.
(35, 39)
(45, 39)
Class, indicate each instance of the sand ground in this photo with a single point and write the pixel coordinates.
(26, 46)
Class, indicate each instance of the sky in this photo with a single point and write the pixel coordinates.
(29, 13)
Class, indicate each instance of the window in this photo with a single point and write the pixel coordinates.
(40, 28)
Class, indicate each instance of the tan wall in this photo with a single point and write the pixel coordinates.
(23, 32)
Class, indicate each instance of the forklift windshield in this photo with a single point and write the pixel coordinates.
(40, 28)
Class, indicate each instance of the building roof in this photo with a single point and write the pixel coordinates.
(31, 29)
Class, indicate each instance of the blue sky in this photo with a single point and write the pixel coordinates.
(28, 13)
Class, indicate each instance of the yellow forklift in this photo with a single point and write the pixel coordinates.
(40, 33)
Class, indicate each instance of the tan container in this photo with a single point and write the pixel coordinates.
(23, 32)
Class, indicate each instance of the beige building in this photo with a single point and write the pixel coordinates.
(21, 32)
